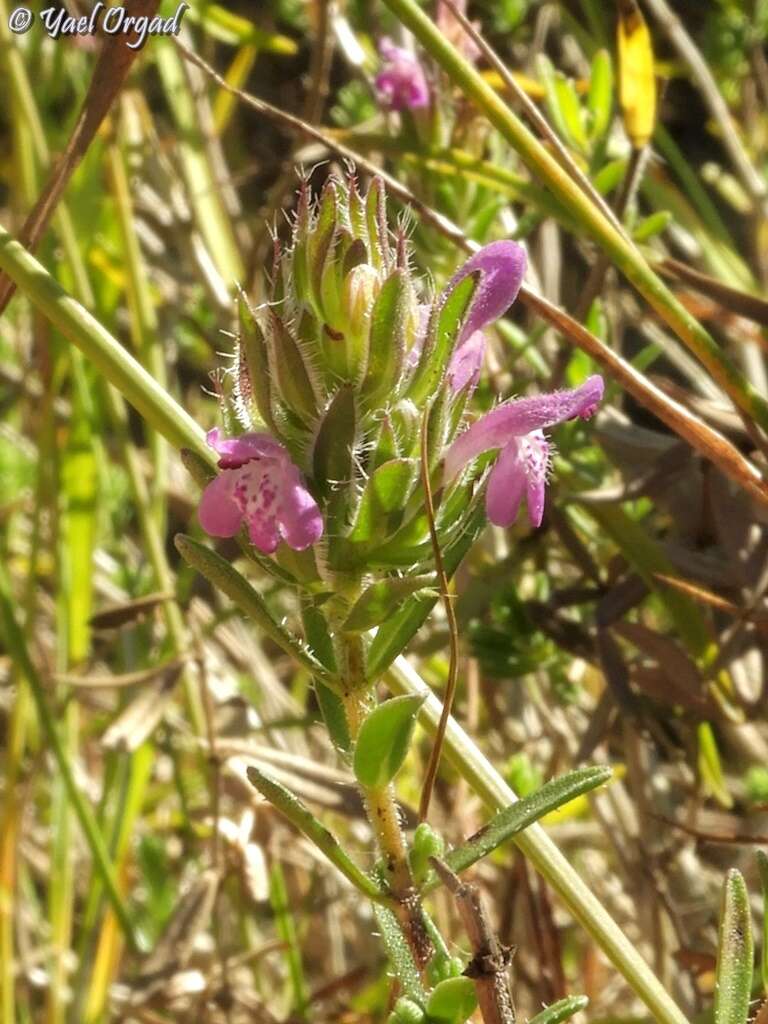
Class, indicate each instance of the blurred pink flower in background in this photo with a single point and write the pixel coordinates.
(401, 83)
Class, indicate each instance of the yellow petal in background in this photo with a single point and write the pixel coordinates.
(637, 81)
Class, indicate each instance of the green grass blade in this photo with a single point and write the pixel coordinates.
(109, 357)
(16, 644)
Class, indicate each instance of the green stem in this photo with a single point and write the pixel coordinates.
(381, 807)
(565, 189)
(536, 845)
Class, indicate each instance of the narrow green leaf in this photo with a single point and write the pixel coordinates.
(334, 446)
(383, 740)
(223, 575)
(442, 334)
(600, 96)
(387, 337)
(303, 819)
(383, 496)
(399, 954)
(710, 765)
(452, 1001)
(253, 352)
(380, 600)
(734, 954)
(332, 710)
(652, 225)
(570, 107)
(231, 28)
(561, 1011)
(548, 75)
(525, 812)
(762, 867)
(376, 218)
(286, 929)
(331, 707)
(288, 370)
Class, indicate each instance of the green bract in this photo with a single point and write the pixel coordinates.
(340, 364)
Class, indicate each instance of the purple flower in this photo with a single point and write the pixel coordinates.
(259, 485)
(502, 267)
(401, 83)
(517, 428)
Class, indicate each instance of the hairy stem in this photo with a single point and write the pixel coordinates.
(381, 806)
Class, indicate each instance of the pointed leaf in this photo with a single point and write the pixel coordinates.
(378, 233)
(652, 225)
(223, 575)
(567, 99)
(392, 637)
(525, 812)
(331, 707)
(383, 740)
(303, 819)
(332, 454)
(379, 601)
(442, 335)
(384, 495)
(289, 371)
(600, 95)
(399, 954)
(734, 955)
(253, 352)
(388, 337)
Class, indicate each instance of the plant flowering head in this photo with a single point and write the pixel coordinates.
(516, 428)
(338, 371)
(401, 83)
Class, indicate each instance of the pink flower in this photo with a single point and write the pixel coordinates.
(259, 485)
(401, 83)
(502, 267)
(517, 428)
